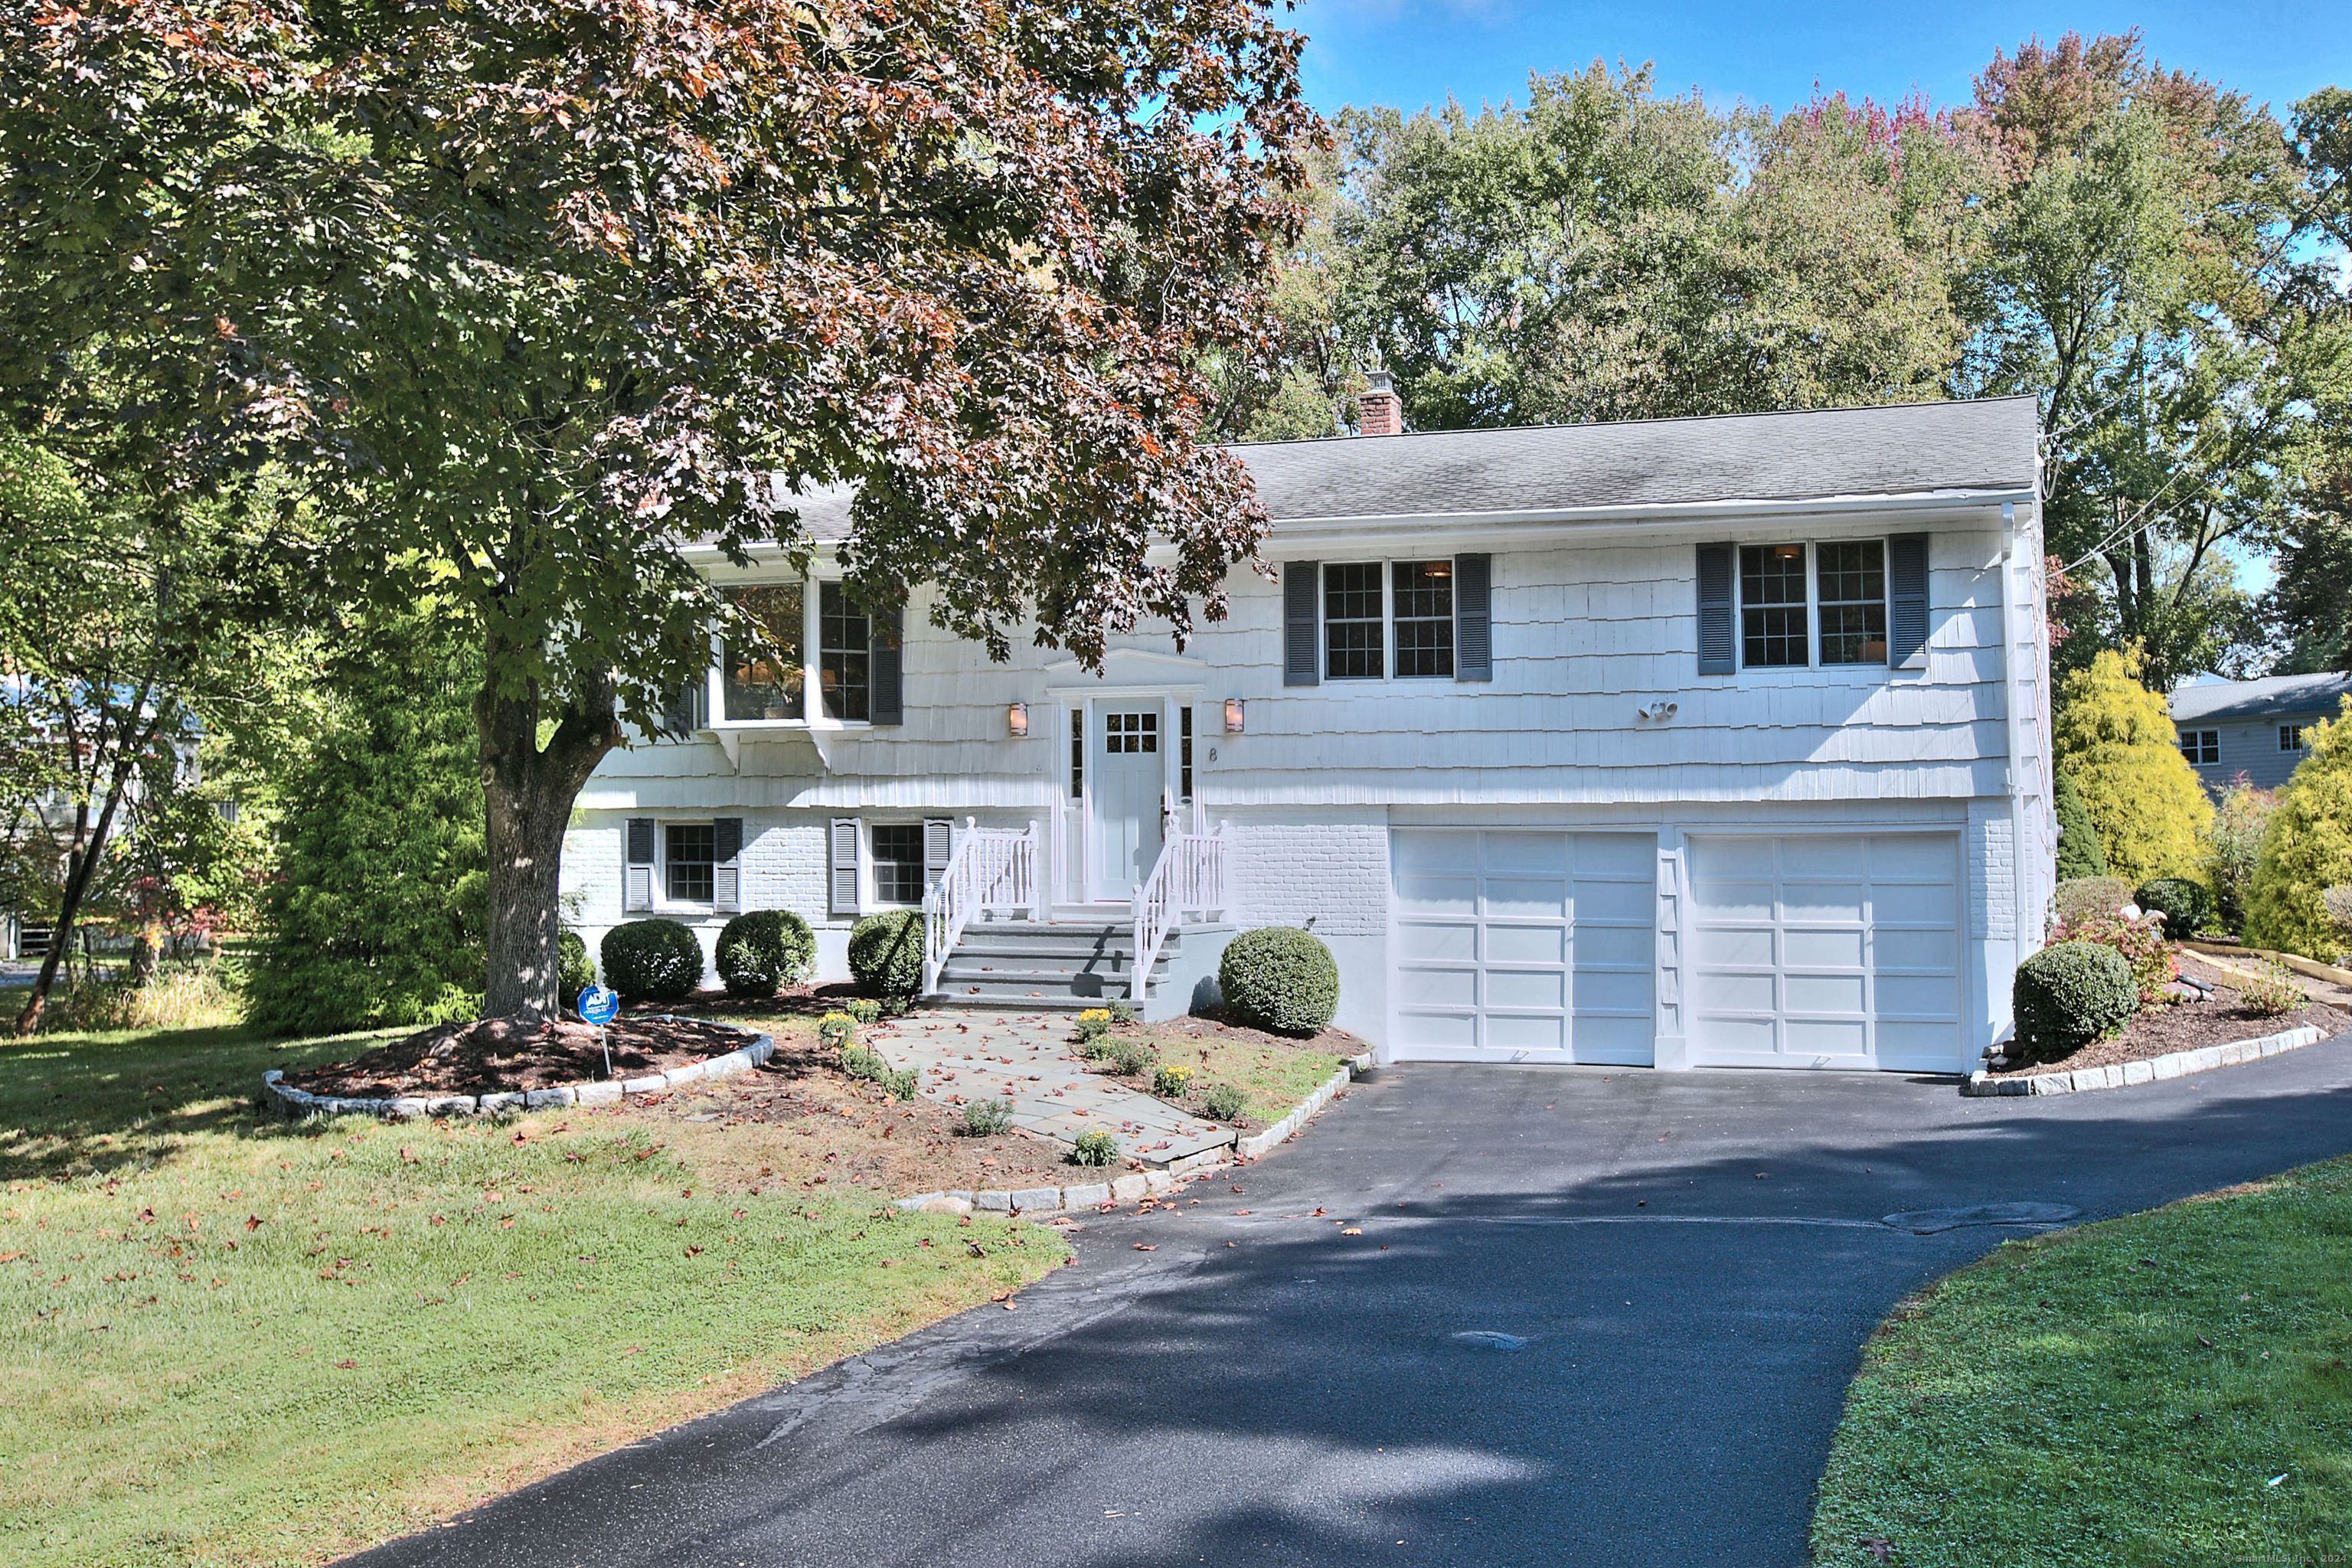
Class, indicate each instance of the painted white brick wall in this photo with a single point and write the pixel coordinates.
(785, 865)
(1992, 859)
(1335, 875)
(590, 879)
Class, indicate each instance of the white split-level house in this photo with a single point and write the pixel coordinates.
(1698, 742)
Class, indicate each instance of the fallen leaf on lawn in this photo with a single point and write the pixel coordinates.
(347, 1365)
(11, 1256)
(631, 1350)
(999, 1294)
(694, 1252)
(253, 1222)
(2206, 1343)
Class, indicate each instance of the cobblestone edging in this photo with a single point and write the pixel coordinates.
(594, 1091)
(2174, 1064)
(1128, 1189)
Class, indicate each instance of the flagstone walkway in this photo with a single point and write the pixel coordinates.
(1028, 1059)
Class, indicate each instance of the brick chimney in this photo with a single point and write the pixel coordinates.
(1379, 410)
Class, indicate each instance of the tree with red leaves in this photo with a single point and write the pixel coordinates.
(531, 296)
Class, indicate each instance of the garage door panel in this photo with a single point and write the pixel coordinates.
(1419, 987)
(1822, 901)
(1920, 996)
(1510, 897)
(1617, 900)
(1426, 893)
(1821, 949)
(1614, 944)
(1734, 992)
(1523, 1032)
(1822, 994)
(1713, 899)
(1613, 991)
(1825, 1038)
(1733, 947)
(1440, 1031)
(1850, 956)
(1526, 943)
(1630, 856)
(1526, 988)
(1915, 949)
(1496, 937)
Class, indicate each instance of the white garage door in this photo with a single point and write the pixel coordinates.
(1516, 946)
(1828, 950)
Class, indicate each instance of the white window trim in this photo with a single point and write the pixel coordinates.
(2296, 730)
(812, 717)
(2201, 741)
(1387, 676)
(1862, 673)
(870, 863)
(662, 903)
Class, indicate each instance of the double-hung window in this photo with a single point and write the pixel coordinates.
(1772, 605)
(899, 862)
(761, 672)
(1370, 609)
(845, 641)
(1853, 581)
(2290, 737)
(2202, 747)
(689, 862)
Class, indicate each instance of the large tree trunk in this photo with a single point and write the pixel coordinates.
(528, 793)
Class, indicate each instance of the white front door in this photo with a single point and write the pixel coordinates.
(1123, 799)
(1830, 950)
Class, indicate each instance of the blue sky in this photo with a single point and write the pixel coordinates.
(1416, 52)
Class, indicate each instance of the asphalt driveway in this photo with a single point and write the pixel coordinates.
(1688, 1263)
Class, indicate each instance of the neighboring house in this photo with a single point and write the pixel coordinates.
(1685, 742)
(2253, 727)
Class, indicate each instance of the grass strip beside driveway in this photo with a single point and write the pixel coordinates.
(225, 1338)
(2168, 1388)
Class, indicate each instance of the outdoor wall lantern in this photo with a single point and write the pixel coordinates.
(1016, 720)
(1233, 715)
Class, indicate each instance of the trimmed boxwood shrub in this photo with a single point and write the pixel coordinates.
(2188, 907)
(2068, 994)
(1279, 978)
(573, 972)
(885, 953)
(655, 961)
(763, 950)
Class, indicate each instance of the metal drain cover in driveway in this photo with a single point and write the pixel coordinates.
(1489, 1339)
(1927, 1222)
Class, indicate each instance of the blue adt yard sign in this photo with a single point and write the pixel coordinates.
(597, 1006)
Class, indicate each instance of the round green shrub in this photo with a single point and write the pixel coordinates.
(573, 972)
(1223, 1101)
(651, 960)
(2187, 906)
(763, 950)
(987, 1119)
(1279, 978)
(2068, 994)
(885, 953)
(1094, 1147)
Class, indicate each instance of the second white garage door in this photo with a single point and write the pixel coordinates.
(1524, 946)
(1826, 951)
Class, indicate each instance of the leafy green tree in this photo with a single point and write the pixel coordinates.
(2138, 275)
(550, 302)
(2116, 741)
(2307, 848)
(2080, 852)
(377, 915)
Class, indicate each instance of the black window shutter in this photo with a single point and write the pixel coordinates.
(885, 704)
(725, 876)
(1474, 622)
(1301, 589)
(1715, 638)
(1907, 600)
(638, 874)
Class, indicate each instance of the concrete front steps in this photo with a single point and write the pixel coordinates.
(1068, 965)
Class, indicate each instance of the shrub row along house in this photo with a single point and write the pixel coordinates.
(1685, 742)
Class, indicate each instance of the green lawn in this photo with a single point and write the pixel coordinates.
(2168, 1388)
(225, 1338)
(1276, 1076)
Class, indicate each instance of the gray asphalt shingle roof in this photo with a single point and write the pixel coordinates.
(2272, 697)
(1913, 448)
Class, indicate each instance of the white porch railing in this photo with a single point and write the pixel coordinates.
(1188, 880)
(991, 870)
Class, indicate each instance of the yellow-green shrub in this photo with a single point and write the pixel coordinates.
(2115, 739)
(2307, 848)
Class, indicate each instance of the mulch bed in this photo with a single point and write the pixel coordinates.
(2189, 1026)
(1215, 1022)
(495, 1055)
